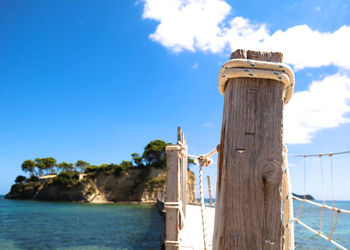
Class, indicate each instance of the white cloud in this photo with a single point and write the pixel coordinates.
(323, 105)
(304, 47)
(188, 24)
(202, 25)
(195, 66)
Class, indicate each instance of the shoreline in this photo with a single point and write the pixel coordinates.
(88, 202)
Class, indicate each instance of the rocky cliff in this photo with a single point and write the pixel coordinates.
(135, 185)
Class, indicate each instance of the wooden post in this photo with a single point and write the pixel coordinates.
(183, 171)
(173, 197)
(210, 197)
(176, 190)
(248, 206)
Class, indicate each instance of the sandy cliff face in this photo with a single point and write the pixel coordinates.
(136, 185)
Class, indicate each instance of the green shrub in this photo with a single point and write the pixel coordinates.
(120, 169)
(91, 169)
(33, 178)
(156, 182)
(17, 188)
(66, 179)
(116, 169)
(20, 179)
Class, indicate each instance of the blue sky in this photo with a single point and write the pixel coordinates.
(98, 80)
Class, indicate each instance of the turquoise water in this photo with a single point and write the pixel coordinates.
(310, 215)
(51, 225)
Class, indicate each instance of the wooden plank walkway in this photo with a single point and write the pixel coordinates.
(193, 228)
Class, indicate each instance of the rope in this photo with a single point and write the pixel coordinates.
(204, 161)
(257, 69)
(334, 226)
(302, 204)
(332, 189)
(287, 205)
(321, 205)
(205, 156)
(318, 155)
(319, 234)
(202, 205)
(323, 194)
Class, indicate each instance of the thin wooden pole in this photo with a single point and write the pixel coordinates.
(248, 206)
(183, 171)
(210, 197)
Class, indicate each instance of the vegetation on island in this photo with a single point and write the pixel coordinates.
(66, 175)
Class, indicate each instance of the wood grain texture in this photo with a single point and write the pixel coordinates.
(257, 55)
(176, 188)
(248, 206)
(173, 195)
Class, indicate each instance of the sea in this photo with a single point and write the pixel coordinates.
(61, 225)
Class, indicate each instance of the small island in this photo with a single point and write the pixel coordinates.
(306, 196)
(141, 180)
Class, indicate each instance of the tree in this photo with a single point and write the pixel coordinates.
(64, 166)
(154, 154)
(20, 179)
(191, 161)
(45, 164)
(29, 166)
(137, 159)
(126, 164)
(82, 165)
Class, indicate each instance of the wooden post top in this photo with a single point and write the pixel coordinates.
(257, 55)
(248, 211)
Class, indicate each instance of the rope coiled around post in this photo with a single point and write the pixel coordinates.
(235, 68)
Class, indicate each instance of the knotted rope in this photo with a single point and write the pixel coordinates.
(258, 69)
(204, 161)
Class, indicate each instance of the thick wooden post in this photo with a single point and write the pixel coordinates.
(173, 197)
(176, 189)
(248, 206)
(210, 197)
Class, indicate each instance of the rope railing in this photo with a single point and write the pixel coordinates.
(319, 155)
(319, 234)
(204, 160)
(322, 205)
(198, 157)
